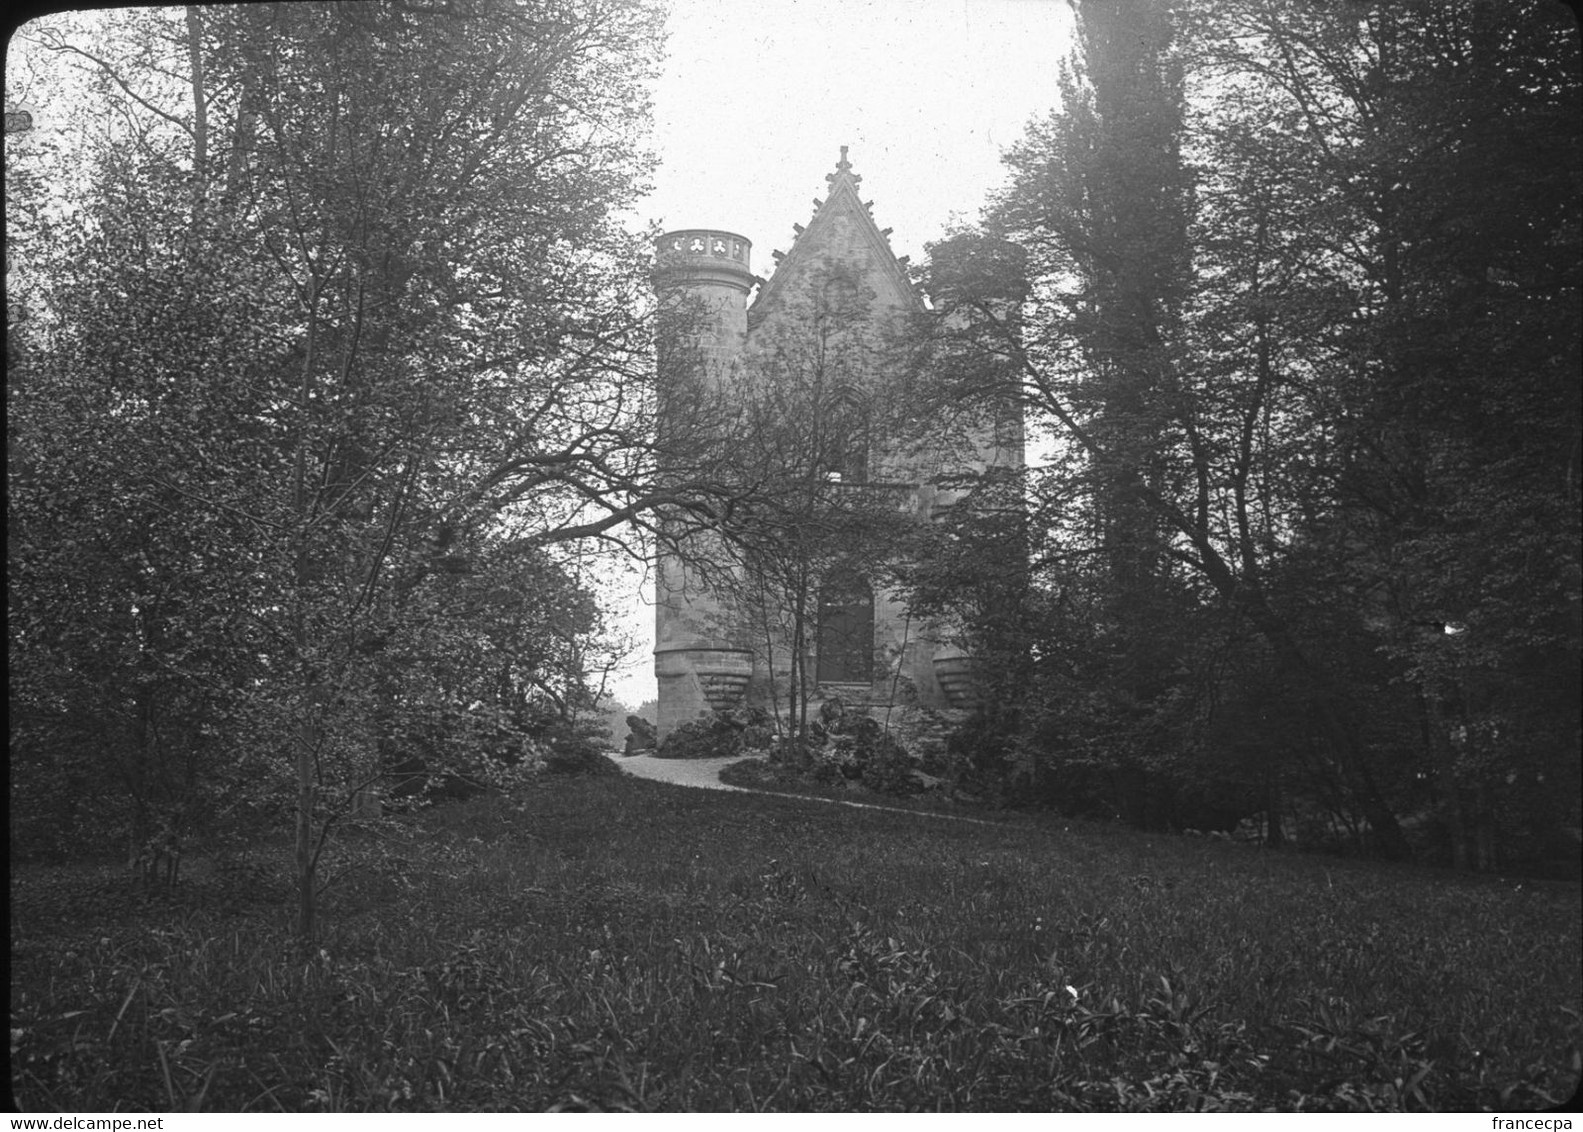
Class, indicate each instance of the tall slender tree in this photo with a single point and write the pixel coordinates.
(1381, 237)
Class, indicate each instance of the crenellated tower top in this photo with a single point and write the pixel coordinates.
(694, 256)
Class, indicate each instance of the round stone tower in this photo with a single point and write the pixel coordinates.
(703, 277)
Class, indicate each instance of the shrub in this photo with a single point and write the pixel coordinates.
(709, 738)
(720, 735)
(991, 761)
(846, 746)
(887, 769)
(578, 756)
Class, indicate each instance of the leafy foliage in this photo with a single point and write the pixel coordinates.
(337, 344)
(718, 735)
(1311, 396)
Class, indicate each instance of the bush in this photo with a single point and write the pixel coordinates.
(413, 781)
(708, 738)
(845, 746)
(719, 735)
(887, 769)
(578, 756)
(990, 759)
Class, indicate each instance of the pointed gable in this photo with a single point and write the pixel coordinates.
(841, 240)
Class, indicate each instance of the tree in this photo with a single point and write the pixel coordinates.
(1306, 401)
(137, 576)
(1410, 124)
(1100, 200)
(408, 353)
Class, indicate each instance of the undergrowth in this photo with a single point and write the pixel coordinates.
(615, 944)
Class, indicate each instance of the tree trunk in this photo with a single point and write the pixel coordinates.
(307, 796)
(1274, 835)
(1447, 794)
(200, 113)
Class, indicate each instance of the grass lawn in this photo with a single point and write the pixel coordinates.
(609, 944)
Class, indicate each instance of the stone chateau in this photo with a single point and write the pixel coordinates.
(864, 645)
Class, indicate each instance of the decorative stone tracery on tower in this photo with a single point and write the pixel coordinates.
(872, 650)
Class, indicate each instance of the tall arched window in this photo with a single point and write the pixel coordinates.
(849, 435)
(846, 631)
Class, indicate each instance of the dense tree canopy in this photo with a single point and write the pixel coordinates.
(1304, 326)
(336, 339)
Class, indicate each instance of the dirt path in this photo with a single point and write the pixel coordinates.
(702, 773)
(705, 775)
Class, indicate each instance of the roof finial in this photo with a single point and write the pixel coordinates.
(843, 168)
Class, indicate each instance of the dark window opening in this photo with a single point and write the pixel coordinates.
(849, 440)
(854, 455)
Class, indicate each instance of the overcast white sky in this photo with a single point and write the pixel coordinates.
(757, 99)
(758, 96)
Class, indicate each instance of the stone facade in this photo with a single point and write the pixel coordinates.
(842, 291)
